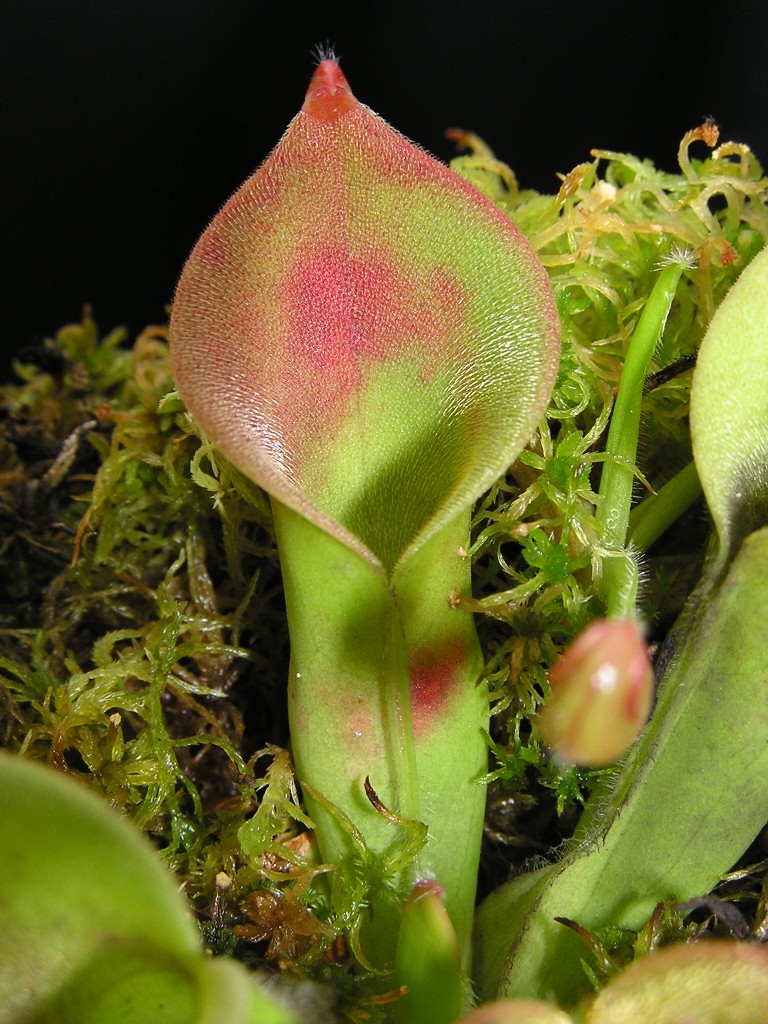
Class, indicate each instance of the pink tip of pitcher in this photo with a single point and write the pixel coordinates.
(329, 95)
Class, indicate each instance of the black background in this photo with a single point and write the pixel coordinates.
(127, 123)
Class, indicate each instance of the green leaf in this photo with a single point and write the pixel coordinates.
(715, 982)
(428, 961)
(690, 796)
(92, 927)
(729, 409)
(678, 813)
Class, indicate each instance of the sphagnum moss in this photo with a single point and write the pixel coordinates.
(142, 642)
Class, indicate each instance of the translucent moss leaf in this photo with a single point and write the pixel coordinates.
(363, 333)
(729, 409)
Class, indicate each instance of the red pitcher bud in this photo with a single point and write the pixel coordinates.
(602, 686)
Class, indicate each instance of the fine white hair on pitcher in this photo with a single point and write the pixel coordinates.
(325, 51)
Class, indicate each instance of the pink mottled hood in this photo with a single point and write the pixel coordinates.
(359, 329)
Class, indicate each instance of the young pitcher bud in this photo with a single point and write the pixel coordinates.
(602, 688)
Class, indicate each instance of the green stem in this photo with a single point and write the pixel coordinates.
(653, 517)
(619, 573)
(384, 686)
(396, 680)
